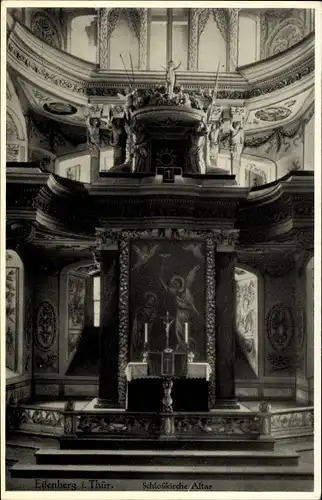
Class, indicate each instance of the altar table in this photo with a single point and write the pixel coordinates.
(196, 370)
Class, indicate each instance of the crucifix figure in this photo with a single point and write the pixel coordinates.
(170, 77)
(167, 323)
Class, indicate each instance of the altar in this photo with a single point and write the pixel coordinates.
(147, 385)
(168, 272)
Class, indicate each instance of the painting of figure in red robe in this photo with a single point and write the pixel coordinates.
(167, 287)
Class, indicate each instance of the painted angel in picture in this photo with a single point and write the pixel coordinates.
(180, 289)
(144, 254)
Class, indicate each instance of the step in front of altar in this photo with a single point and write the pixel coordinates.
(157, 457)
(220, 443)
(165, 472)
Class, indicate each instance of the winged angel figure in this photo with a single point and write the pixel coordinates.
(144, 254)
(180, 288)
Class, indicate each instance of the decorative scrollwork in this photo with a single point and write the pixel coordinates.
(46, 326)
(216, 426)
(119, 425)
(43, 26)
(280, 327)
(123, 318)
(51, 418)
(288, 421)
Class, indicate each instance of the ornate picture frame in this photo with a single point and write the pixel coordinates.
(124, 241)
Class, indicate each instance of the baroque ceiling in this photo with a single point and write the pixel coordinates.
(57, 88)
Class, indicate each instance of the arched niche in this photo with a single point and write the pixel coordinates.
(123, 41)
(249, 318)
(45, 27)
(212, 45)
(74, 292)
(288, 33)
(14, 314)
(248, 38)
(256, 171)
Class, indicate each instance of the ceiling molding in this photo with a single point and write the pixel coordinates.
(77, 80)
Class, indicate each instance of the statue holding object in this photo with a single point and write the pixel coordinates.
(215, 130)
(170, 77)
(197, 149)
(236, 137)
(119, 136)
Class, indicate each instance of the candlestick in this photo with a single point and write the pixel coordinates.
(145, 333)
(186, 333)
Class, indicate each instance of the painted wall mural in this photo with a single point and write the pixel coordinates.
(281, 353)
(167, 276)
(12, 276)
(76, 310)
(247, 318)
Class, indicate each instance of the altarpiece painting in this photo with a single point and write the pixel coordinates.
(171, 275)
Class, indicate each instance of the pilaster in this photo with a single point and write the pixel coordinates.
(225, 263)
(300, 339)
(233, 39)
(193, 40)
(143, 39)
(109, 347)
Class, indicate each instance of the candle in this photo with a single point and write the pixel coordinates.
(145, 333)
(186, 333)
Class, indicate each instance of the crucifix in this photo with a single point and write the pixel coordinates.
(167, 323)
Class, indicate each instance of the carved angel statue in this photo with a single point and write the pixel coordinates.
(180, 288)
(236, 138)
(183, 97)
(170, 76)
(197, 150)
(213, 142)
(94, 125)
(129, 100)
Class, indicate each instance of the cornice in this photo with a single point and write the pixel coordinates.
(78, 79)
(280, 64)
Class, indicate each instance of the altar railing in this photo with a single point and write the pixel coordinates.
(68, 422)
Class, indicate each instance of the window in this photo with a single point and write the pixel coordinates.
(168, 37)
(83, 37)
(96, 299)
(123, 45)
(14, 314)
(248, 38)
(212, 48)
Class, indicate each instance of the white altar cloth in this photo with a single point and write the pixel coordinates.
(136, 369)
